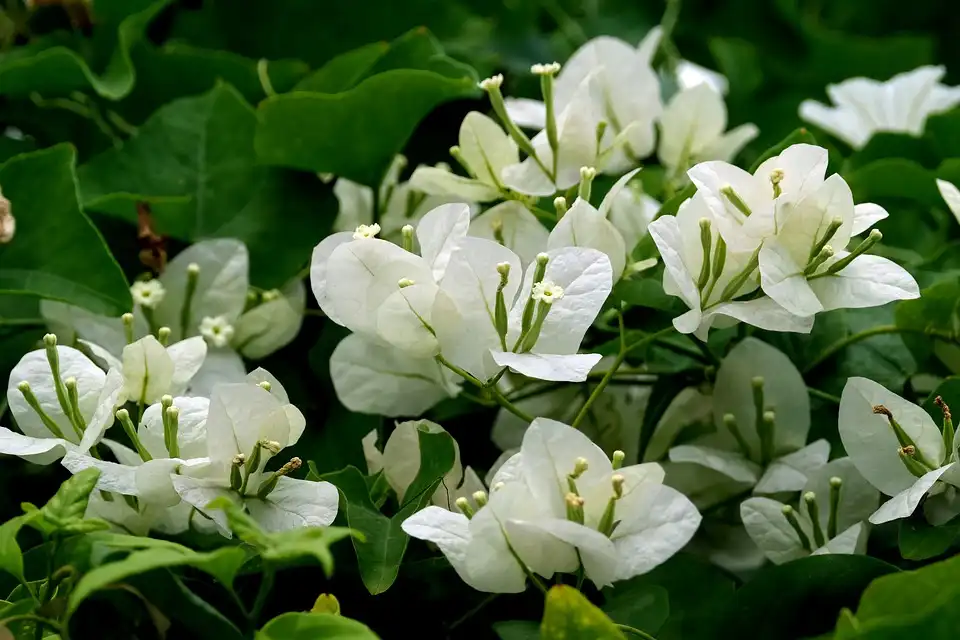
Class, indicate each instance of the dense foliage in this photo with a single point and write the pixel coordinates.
(659, 341)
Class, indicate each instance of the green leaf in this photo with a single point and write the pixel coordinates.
(911, 604)
(282, 546)
(59, 70)
(936, 309)
(894, 178)
(310, 626)
(884, 144)
(64, 512)
(797, 136)
(168, 593)
(356, 133)
(57, 252)
(804, 596)
(919, 540)
(384, 543)
(11, 557)
(202, 147)
(517, 630)
(223, 564)
(643, 606)
(943, 131)
(567, 615)
(344, 71)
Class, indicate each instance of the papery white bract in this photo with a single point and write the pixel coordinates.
(864, 106)
(950, 195)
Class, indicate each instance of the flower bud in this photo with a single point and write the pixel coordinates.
(406, 237)
(480, 497)
(776, 177)
(464, 505)
(127, 320)
(560, 204)
(617, 481)
(617, 459)
(791, 515)
(163, 335)
(587, 174)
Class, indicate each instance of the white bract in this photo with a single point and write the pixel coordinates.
(950, 195)
(710, 276)
(864, 106)
(692, 130)
(829, 518)
(761, 413)
(898, 448)
(484, 151)
(400, 462)
(512, 225)
(246, 426)
(558, 504)
(60, 401)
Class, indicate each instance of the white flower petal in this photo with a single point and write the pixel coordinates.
(148, 370)
(318, 268)
(601, 562)
(870, 441)
(522, 233)
(868, 281)
(191, 428)
(486, 147)
(200, 493)
(950, 195)
(401, 457)
(489, 564)
(187, 356)
(560, 368)
(240, 416)
(373, 378)
(110, 398)
(440, 232)
(667, 236)
(273, 324)
(771, 531)
(531, 114)
(782, 279)
(645, 543)
(693, 119)
(865, 215)
(35, 450)
(449, 531)
(405, 320)
(584, 226)
(792, 471)
(294, 504)
(114, 477)
(850, 541)
(220, 366)
(442, 182)
(858, 498)
(733, 465)
(905, 503)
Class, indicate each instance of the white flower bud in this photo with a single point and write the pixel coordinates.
(403, 283)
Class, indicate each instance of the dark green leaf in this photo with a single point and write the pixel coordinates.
(517, 630)
(311, 626)
(920, 540)
(643, 606)
(57, 253)
(169, 594)
(11, 557)
(202, 148)
(344, 71)
(894, 178)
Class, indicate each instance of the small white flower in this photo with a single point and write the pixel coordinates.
(547, 69)
(217, 330)
(366, 231)
(492, 82)
(148, 293)
(546, 292)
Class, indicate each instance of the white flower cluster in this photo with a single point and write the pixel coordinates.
(558, 506)
(188, 449)
(771, 248)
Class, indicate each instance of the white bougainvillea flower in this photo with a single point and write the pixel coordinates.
(246, 426)
(574, 286)
(148, 293)
(400, 203)
(864, 106)
(709, 276)
(496, 548)
(693, 129)
(950, 195)
(805, 267)
(512, 225)
(689, 75)
(766, 452)
(585, 226)
(576, 147)
(631, 211)
(485, 150)
(828, 519)
(627, 97)
(400, 463)
(899, 449)
(54, 421)
(646, 521)
(744, 205)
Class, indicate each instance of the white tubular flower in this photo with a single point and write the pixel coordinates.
(710, 276)
(899, 449)
(51, 423)
(806, 268)
(546, 292)
(485, 150)
(241, 419)
(766, 452)
(828, 519)
(950, 195)
(365, 231)
(512, 225)
(148, 293)
(217, 331)
(692, 130)
(548, 349)
(864, 106)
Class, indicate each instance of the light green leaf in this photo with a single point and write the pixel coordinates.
(11, 557)
(311, 626)
(570, 616)
(57, 252)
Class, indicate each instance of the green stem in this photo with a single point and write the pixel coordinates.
(842, 344)
(266, 585)
(625, 349)
(823, 395)
(509, 406)
(40, 620)
(633, 631)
